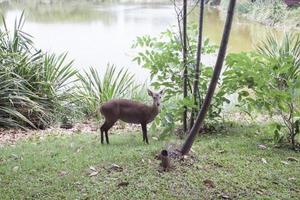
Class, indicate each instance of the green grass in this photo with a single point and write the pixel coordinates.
(33, 169)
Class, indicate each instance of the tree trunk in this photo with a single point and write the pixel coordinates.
(198, 62)
(212, 86)
(165, 160)
(184, 54)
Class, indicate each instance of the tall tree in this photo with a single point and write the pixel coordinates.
(212, 86)
(184, 54)
(198, 62)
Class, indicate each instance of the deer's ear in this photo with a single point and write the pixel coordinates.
(150, 93)
(162, 92)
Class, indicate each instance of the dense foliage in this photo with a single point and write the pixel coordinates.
(269, 80)
(34, 86)
(162, 56)
(270, 12)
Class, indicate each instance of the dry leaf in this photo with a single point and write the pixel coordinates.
(184, 157)
(16, 168)
(284, 162)
(225, 196)
(93, 168)
(264, 161)
(260, 192)
(209, 183)
(291, 178)
(262, 146)
(154, 138)
(94, 173)
(62, 173)
(124, 183)
(292, 159)
(115, 167)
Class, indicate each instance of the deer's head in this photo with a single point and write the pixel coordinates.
(156, 97)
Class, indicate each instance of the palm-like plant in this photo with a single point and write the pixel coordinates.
(94, 90)
(34, 85)
(284, 57)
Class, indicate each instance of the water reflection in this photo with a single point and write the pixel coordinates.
(96, 33)
(245, 35)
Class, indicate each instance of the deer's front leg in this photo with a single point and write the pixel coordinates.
(145, 137)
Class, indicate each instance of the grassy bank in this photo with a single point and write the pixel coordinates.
(269, 12)
(228, 165)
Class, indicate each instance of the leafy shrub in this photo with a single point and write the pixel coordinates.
(269, 80)
(270, 12)
(162, 55)
(34, 85)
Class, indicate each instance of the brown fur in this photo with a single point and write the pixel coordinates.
(127, 111)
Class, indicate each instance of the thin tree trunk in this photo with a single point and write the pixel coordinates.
(185, 73)
(198, 62)
(212, 86)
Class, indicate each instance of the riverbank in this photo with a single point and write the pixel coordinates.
(275, 13)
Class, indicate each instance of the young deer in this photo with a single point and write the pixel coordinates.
(130, 112)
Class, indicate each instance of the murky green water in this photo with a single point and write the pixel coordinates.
(95, 34)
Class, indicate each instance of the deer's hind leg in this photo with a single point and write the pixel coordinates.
(103, 129)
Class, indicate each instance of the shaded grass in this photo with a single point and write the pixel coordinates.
(58, 168)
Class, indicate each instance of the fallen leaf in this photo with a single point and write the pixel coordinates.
(94, 173)
(15, 168)
(262, 146)
(184, 157)
(62, 173)
(115, 167)
(292, 159)
(209, 183)
(225, 196)
(221, 151)
(149, 161)
(217, 164)
(275, 182)
(154, 138)
(143, 160)
(291, 178)
(124, 183)
(264, 161)
(284, 162)
(260, 192)
(78, 149)
(93, 168)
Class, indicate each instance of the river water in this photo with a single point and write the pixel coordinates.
(95, 34)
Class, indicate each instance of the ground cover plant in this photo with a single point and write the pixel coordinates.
(269, 80)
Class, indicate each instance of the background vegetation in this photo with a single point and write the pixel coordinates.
(35, 86)
(237, 160)
(270, 12)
